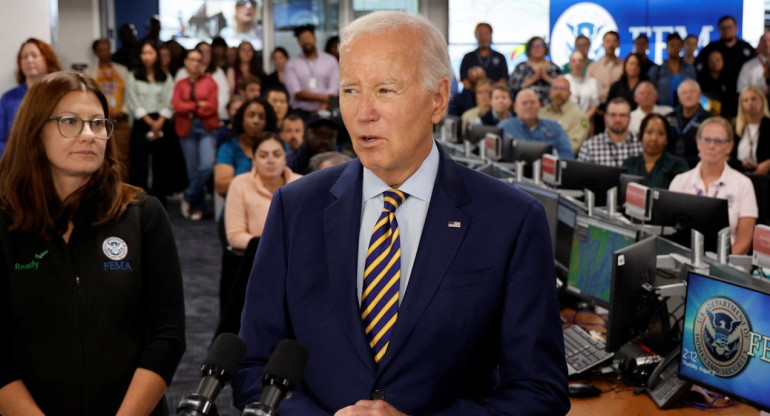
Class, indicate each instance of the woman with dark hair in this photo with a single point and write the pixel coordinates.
(626, 85)
(234, 157)
(714, 83)
(248, 203)
(148, 97)
(279, 100)
(536, 72)
(216, 73)
(276, 79)
(247, 62)
(35, 60)
(96, 258)
(657, 165)
(219, 52)
(332, 46)
(249, 197)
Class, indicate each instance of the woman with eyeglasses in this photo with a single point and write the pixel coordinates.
(536, 72)
(91, 304)
(714, 178)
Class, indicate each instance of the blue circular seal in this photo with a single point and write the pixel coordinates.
(115, 248)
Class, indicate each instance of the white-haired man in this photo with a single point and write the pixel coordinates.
(685, 121)
(403, 312)
(646, 97)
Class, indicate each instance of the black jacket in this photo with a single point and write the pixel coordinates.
(78, 318)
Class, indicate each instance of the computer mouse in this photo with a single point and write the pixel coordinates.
(583, 390)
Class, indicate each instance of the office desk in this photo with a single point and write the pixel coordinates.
(622, 401)
(618, 399)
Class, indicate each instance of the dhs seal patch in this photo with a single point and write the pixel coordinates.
(587, 19)
(721, 334)
(115, 248)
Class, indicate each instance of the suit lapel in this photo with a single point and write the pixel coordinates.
(342, 221)
(439, 240)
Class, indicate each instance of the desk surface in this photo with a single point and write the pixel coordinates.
(619, 399)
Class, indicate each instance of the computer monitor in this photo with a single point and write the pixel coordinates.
(623, 181)
(635, 312)
(566, 213)
(590, 264)
(449, 128)
(686, 212)
(525, 150)
(550, 201)
(477, 132)
(725, 345)
(597, 178)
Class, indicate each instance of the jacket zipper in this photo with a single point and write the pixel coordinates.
(82, 335)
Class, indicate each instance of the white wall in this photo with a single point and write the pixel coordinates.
(80, 26)
(19, 21)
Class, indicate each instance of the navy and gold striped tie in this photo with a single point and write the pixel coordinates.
(382, 272)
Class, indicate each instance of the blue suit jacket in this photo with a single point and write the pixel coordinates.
(478, 329)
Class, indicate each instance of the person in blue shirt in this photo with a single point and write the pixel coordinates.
(35, 60)
(527, 126)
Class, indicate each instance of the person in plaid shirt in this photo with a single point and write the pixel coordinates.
(616, 143)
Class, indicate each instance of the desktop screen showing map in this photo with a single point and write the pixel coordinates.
(590, 264)
(726, 339)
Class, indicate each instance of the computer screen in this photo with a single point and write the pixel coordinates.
(623, 181)
(566, 214)
(685, 212)
(598, 178)
(550, 201)
(477, 132)
(527, 150)
(635, 312)
(726, 338)
(590, 264)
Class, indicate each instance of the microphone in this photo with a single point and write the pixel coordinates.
(281, 376)
(221, 363)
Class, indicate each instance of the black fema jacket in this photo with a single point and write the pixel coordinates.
(77, 319)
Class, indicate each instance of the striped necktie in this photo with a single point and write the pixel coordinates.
(382, 272)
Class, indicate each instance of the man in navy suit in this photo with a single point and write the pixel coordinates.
(476, 329)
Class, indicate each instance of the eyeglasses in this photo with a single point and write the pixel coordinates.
(713, 140)
(71, 126)
(618, 115)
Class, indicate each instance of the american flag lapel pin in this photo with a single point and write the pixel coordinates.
(454, 224)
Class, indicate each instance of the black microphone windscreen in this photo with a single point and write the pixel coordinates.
(287, 362)
(226, 353)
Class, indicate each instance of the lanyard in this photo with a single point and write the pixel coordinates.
(680, 120)
(484, 62)
(716, 190)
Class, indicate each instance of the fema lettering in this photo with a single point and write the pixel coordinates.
(117, 265)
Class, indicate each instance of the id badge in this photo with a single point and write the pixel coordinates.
(313, 83)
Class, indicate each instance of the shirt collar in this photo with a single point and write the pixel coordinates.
(419, 185)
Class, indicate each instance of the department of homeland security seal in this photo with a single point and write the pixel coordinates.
(115, 248)
(721, 336)
(588, 19)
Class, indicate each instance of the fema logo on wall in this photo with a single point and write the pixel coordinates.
(587, 19)
(115, 248)
(721, 336)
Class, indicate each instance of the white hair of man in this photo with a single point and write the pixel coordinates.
(686, 82)
(435, 63)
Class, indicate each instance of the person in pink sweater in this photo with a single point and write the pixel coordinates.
(248, 199)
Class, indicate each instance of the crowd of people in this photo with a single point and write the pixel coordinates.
(633, 112)
(91, 158)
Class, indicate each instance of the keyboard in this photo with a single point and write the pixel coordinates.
(583, 352)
